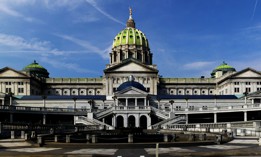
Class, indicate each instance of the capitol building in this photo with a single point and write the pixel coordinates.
(131, 93)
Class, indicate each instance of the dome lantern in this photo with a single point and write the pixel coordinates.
(221, 70)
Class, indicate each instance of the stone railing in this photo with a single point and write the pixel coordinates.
(42, 109)
(160, 113)
(104, 112)
(168, 121)
(86, 121)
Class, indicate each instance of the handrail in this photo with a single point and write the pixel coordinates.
(103, 112)
(160, 112)
(93, 121)
(165, 122)
(41, 109)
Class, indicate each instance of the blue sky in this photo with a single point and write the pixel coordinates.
(188, 38)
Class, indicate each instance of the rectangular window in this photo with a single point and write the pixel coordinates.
(258, 89)
(20, 83)
(8, 90)
(248, 83)
(236, 90)
(236, 83)
(7, 83)
(178, 108)
(20, 90)
(248, 90)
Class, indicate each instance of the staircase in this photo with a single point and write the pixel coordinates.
(103, 113)
(87, 121)
(159, 113)
(174, 120)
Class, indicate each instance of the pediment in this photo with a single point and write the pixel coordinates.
(9, 72)
(131, 91)
(247, 73)
(131, 66)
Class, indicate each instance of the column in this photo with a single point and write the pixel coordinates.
(137, 120)
(215, 117)
(136, 103)
(245, 116)
(126, 101)
(114, 121)
(44, 119)
(145, 102)
(186, 118)
(148, 122)
(111, 87)
(11, 117)
(125, 121)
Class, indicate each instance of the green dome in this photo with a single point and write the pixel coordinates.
(224, 67)
(130, 36)
(37, 70)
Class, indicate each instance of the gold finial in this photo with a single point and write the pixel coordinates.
(130, 10)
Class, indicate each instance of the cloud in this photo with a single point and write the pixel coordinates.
(69, 66)
(6, 8)
(94, 4)
(88, 46)
(197, 65)
(254, 10)
(19, 44)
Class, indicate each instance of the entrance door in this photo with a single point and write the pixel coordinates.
(131, 121)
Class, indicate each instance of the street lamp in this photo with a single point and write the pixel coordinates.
(74, 99)
(44, 97)
(245, 94)
(186, 98)
(10, 94)
(91, 104)
(172, 102)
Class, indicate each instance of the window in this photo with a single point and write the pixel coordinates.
(81, 92)
(236, 90)
(211, 92)
(258, 89)
(195, 92)
(90, 92)
(8, 90)
(248, 90)
(171, 92)
(247, 83)
(20, 83)
(204, 107)
(191, 107)
(178, 108)
(7, 83)
(20, 90)
(179, 91)
(203, 92)
(258, 83)
(73, 92)
(187, 92)
(236, 83)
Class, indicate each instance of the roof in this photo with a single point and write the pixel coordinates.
(131, 84)
(196, 97)
(130, 36)
(64, 97)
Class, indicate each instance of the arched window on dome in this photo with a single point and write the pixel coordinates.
(139, 56)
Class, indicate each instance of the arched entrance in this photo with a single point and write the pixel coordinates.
(120, 122)
(131, 122)
(143, 122)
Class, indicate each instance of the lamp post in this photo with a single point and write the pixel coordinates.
(44, 98)
(74, 99)
(172, 107)
(186, 98)
(245, 94)
(10, 94)
(158, 103)
(91, 104)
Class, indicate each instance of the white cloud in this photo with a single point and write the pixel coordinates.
(88, 46)
(9, 8)
(70, 66)
(197, 65)
(19, 44)
(94, 4)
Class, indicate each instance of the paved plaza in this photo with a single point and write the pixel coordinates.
(238, 147)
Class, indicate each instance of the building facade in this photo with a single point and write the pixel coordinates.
(131, 88)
